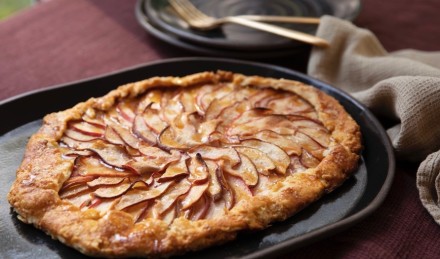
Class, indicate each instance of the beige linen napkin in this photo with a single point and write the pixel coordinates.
(401, 86)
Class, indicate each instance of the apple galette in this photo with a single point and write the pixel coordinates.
(169, 165)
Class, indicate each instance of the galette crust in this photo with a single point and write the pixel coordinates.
(35, 192)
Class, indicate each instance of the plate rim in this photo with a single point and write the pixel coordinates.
(155, 19)
(145, 23)
(291, 243)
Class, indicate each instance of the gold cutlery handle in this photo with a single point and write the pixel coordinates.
(285, 19)
(288, 33)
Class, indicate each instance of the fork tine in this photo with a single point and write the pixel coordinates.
(192, 9)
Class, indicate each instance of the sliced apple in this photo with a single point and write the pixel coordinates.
(97, 122)
(288, 145)
(74, 191)
(170, 107)
(218, 105)
(153, 161)
(126, 111)
(321, 136)
(275, 122)
(262, 162)
(198, 170)
(136, 196)
(238, 186)
(200, 208)
(170, 197)
(215, 188)
(112, 191)
(263, 102)
(290, 104)
(227, 154)
(175, 170)
(113, 155)
(261, 94)
(153, 120)
(208, 93)
(74, 144)
(308, 160)
(153, 96)
(141, 130)
(187, 99)
(228, 197)
(194, 195)
(126, 136)
(105, 181)
(86, 128)
(246, 170)
(77, 180)
(274, 152)
(79, 136)
(112, 136)
(295, 165)
(167, 140)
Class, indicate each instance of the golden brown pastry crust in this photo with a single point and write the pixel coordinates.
(35, 192)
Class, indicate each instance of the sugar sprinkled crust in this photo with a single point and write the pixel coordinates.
(35, 194)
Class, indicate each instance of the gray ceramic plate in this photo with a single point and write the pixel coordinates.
(355, 200)
(236, 37)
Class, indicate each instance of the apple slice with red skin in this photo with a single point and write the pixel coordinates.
(142, 131)
(291, 104)
(126, 111)
(96, 121)
(153, 120)
(227, 197)
(262, 162)
(167, 140)
(215, 188)
(112, 191)
(228, 154)
(194, 194)
(77, 180)
(308, 160)
(175, 170)
(246, 170)
(207, 94)
(136, 196)
(170, 107)
(110, 154)
(238, 186)
(198, 170)
(105, 181)
(86, 128)
(126, 136)
(200, 208)
(152, 97)
(280, 158)
(112, 136)
(152, 162)
(74, 191)
(308, 143)
(79, 136)
(187, 99)
(169, 199)
(322, 136)
(295, 165)
(288, 145)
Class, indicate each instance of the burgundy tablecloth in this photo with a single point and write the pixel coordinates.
(62, 41)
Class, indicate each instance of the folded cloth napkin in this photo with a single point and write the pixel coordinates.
(403, 87)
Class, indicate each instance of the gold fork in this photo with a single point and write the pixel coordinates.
(198, 20)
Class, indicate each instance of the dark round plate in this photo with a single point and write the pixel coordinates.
(357, 198)
(237, 37)
(207, 50)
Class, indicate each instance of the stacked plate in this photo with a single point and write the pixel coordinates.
(160, 20)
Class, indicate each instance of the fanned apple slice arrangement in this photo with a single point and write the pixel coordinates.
(192, 152)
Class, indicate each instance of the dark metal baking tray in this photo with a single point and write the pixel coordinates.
(356, 199)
